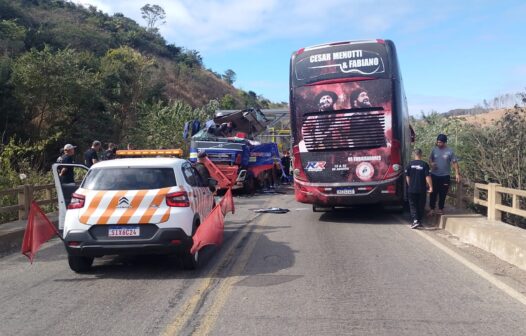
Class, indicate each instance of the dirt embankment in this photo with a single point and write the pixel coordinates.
(484, 119)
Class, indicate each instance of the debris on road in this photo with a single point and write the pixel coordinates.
(272, 210)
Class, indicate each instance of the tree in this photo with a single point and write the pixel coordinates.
(498, 153)
(11, 36)
(153, 14)
(161, 124)
(126, 75)
(229, 76)
(53, 86)
(228, 102)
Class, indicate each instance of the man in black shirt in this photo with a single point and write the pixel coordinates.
(285, 163)
(90, 156)
(66, 173)
(111, 152)
(417, 174)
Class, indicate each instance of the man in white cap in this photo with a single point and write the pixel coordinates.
(66, 173)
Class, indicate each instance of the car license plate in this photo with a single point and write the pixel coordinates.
(345, 191)
(123, 231)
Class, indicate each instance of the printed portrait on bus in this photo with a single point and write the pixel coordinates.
(343, 124)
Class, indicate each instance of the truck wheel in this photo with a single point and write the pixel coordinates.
(80, 264)
(249, 185)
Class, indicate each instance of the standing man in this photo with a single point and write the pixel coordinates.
(90, 156)
(285, 164)
(417, 175)
(201, 168)
(66, 173)
(111, 152)
(441, 159)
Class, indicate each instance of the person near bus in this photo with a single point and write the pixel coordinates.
(441, 159)
(91, 156)
(66, 174)
(417, 174)
(285, 164)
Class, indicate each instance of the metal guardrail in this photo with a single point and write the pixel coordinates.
(42, 194)
(493, 201)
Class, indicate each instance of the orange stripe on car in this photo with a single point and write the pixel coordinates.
(134, 206)
(154, 205)
(165, 216)
(112, 206)
(92, 207)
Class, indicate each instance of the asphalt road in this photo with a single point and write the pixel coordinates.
(354, 272)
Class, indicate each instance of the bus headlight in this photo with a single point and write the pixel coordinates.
(396, 167)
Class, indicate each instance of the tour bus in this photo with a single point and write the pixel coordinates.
(350, 125)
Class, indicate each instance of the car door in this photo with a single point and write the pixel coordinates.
(65, 190)
(207, 199)
(194, 194)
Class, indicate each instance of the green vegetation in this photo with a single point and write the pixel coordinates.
(494, 153)
(70, 74)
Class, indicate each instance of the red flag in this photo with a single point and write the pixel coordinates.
(227, 202)
(38, 231)
(210, 232)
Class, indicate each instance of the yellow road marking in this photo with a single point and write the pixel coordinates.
(487, 276)
(190, 306)
(223, 292)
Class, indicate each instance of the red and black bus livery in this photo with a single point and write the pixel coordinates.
(350, 124)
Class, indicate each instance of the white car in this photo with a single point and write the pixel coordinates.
(133, 206)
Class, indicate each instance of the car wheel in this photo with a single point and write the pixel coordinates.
(249, 186)
(80, 264)
(190, 261)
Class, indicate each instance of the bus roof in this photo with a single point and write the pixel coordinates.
(325, 45)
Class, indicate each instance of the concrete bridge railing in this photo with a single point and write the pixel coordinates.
(493, 195)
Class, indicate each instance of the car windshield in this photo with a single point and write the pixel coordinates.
(129, 178)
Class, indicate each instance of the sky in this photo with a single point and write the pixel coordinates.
(453, 54)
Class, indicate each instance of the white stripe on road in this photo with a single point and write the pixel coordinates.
(492, 279)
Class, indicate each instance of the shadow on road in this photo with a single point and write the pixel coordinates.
(269, 257)
(373, 215)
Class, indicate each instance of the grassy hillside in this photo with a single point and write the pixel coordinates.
(70, 74)
(62, 25)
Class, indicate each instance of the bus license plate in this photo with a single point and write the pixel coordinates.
(123, 231)
(346, 191)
